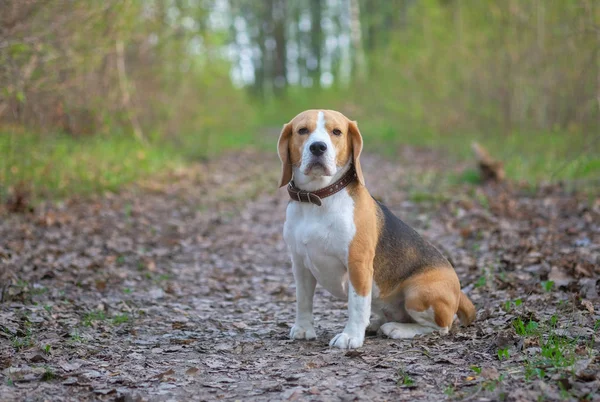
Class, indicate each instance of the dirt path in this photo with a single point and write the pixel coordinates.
(181, 289)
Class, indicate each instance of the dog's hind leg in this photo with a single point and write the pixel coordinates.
(424, 323)
(431, 306)
(397, 330)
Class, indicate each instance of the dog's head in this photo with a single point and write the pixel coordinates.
(318, 144)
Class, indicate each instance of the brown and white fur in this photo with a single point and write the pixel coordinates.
(354, 247)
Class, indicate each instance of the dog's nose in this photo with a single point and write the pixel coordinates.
(318, 148)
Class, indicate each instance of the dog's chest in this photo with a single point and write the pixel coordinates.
(319, 238)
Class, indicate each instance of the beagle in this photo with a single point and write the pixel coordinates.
(339, 236)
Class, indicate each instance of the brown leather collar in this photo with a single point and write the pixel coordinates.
(314, 197)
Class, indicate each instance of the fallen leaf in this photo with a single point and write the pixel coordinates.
(559, 277)
(37, 358)
(490, 373)
(588, 305)
(240, 325)
(164, 374)
(70, 381)
(105, 391)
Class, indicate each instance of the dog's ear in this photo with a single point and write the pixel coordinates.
(284, 154)
(357, 146)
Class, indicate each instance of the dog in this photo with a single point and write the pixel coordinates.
(341, 237)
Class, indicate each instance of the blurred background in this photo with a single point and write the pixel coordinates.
(95, 94)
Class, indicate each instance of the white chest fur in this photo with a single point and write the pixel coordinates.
(319, 238)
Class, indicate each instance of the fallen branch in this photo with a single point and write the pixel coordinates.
(490, 169)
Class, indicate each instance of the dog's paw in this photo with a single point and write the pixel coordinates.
(305, 331)
(345, 341)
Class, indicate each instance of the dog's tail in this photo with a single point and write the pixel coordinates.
(466, 311)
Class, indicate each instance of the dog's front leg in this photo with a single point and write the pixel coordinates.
(305, 290)
(359, 306)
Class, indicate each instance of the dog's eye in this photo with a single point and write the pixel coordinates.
(337, 132)
(303, 131)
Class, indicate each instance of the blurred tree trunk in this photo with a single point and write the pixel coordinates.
(358, 53)
(542, 105)
(369, 24)
(597, 28)
(301, 62)
(260, 73)
(278, 8)
(403, 14)
(126, 92)
(316, 41)
(507, 87)
(458, 21)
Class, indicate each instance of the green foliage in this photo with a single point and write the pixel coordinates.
(144, 67)
(145, 86)
(481, 282)
(508, 305)
(48, 375)
(59, 165)
(547, 285)
(450, 391)
(24, 338)
(503, 354)
(92, 316)
(75, 337)
(22, 342)
(404, 379)
(525, 329)
(425, 196)
(557, 353)
(469, 176)
(120, 319)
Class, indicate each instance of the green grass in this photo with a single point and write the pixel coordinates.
(503, 354)
(508, 305)
(547, 285)
(75, 337)
(385, 123)
(530, 157)
(48, 375)
(404, 379)
(57, 165)
(96, 315)
(23, 342)
(54, 166)
(120, 319)
(556, 355)
(525, 329)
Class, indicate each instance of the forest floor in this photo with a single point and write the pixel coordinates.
(180, 288)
